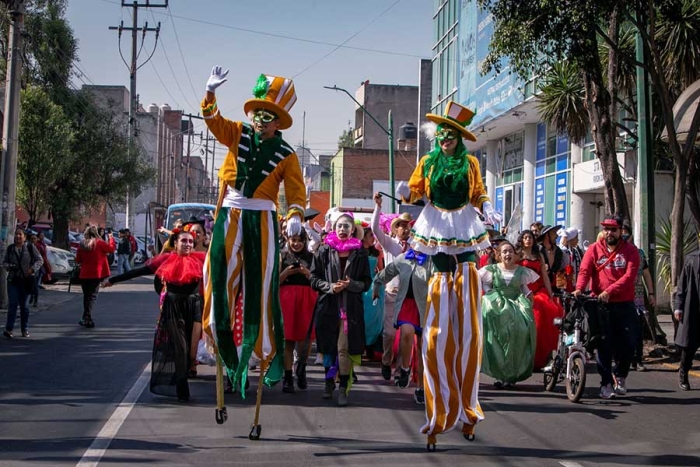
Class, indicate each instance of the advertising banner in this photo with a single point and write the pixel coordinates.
(491, 95)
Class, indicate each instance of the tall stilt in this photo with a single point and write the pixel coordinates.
(221, 414)
(256, 428)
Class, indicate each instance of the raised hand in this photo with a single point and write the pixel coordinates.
(217, 78)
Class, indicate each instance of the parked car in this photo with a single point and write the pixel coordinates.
(62, 263)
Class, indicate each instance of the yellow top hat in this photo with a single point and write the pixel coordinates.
(275, 94)
(457, 117)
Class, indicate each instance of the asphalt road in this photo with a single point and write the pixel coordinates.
(65, 385)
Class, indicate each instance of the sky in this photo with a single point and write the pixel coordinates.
(315, 42)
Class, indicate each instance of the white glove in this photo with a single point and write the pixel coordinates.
(403, 190)
(492, 217)
(293, 226)
(216, 79)
(678, 314)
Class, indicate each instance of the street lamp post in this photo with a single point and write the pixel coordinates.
(389, 133)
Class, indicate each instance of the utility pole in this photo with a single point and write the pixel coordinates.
(389, 133)
(10, 133)
(645, 162)
(189, 148)
(392, 188)
(207, 151)
(132, 78)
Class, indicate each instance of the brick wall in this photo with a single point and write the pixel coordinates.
(362, 166)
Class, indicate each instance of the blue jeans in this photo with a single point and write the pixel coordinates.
(123, 264)
(619, 327)
(17, 295)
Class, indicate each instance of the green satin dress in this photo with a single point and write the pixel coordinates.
(510, 336)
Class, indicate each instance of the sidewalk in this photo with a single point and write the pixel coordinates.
(54, 295)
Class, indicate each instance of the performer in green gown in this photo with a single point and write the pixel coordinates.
(509, 328)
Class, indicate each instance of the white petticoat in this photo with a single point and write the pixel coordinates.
(451, 232)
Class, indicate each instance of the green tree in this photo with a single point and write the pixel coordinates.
(101, 167)
(346, 139)
(45, 140)
(537, 35)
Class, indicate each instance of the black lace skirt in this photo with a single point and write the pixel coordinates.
(171, 343)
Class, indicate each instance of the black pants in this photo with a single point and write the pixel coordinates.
(619, 328)
(90, 288)
(639, 342)
(687, 356)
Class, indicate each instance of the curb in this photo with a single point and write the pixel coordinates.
(694, 373)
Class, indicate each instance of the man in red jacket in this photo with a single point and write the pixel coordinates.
(611, 265)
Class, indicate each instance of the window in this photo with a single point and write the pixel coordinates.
(552, 175)
(509, 179)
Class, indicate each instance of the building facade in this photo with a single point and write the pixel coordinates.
(532, 174)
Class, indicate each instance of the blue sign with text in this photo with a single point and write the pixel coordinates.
(539, 200)
(562, 191)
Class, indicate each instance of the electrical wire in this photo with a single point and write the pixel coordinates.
(179, 47)
(347, 40)
(286, 37)
(170, 66)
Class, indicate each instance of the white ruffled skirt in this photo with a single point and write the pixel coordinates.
(448, 231)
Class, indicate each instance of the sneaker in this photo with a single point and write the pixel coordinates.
(402, 380)
(606, 392)
(25, 333)
(319, 359)
(386, 372)
(328, 390)
(498, 384)
(8, 334)
(641, 367)
(419, 396)
(620, 386)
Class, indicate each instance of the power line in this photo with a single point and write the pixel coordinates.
(286, 37)
(348, 39)
(177, 39)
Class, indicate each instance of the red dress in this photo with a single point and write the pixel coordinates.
(545, 310)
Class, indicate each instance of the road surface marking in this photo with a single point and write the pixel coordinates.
(570, 464)
(674, 366)
(104, 438)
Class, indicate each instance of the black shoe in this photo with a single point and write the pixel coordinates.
(328, 390)
(8, 334)
(354, 377)
(83, 321)
(402, 380)
(302, 383)
(288, 385)
(386, 372)
(683, 382)
(25, 333)
(498, 384)
(641, 367)
(419, 396)
(228, 387)
(90, 323)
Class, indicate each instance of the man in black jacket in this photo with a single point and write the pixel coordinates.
(686, 306)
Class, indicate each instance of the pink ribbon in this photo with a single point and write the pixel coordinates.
(344, 319)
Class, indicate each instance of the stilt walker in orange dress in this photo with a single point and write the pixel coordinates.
(450, 231)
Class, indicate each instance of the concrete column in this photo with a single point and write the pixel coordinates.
(582, 215)
(529, 159)
(491, 169)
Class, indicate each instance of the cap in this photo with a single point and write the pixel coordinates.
(612, 221)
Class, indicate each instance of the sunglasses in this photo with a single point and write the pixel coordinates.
(446, 133)
(263, 116)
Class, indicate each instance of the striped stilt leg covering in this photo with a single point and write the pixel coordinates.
(468, 329)
(442, 402)
(222, 280)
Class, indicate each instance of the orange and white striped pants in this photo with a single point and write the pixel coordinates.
(452, 351)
